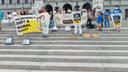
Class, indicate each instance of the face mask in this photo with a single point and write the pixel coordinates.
(117, 7)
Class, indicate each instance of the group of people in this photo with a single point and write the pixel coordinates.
(47, 20)
(107, 18)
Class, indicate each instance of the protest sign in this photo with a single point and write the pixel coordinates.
(26, 24)
(77, 17)
(68, 18)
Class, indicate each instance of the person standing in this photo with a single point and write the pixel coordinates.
(45, 21)
(107, 18)
(99, 21)
(77, 22)
(9, 18)
(68, 26)
(1, 18)
(51, 19)
(117, 18)
(89, 16)
(54, 20)
(84, 17)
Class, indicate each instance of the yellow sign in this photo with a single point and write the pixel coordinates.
(32, 26)
(77, 22)
(27, 24)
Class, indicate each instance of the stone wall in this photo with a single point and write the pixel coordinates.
(67, 0)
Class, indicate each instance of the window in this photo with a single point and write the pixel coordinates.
(18, 1)
(10, 1)
(26, 1)
(2, 1)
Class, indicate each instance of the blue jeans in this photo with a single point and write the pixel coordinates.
(51, 25)
(106, 23)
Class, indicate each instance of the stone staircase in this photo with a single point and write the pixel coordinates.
(65, 52)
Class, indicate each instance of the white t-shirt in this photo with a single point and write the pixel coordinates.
(45, 16)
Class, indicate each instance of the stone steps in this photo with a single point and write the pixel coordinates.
(64, 52)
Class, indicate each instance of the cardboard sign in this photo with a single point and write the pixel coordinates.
(116, 18)
(68, 18)
(77, 18)
(27, 24)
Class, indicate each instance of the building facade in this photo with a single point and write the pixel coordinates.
(108, 4)
(10, 5)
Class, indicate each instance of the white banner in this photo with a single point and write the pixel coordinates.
(26, 24)
(68, 18)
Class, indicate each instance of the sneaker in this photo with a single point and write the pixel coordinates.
(54, 31)
(81, 35)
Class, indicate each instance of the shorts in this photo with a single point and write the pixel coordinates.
(77, 22)
(117, 23)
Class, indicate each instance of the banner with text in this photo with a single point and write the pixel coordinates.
(77, 17)
(68, 18)
(27, 24)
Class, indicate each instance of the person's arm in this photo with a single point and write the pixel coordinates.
(121, 18)
(112, 19)
(21, 12)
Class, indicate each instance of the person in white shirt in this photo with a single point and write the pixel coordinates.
(55, 23)
(77, 22)
(68, 28)
(45, 21)
(9, 19)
